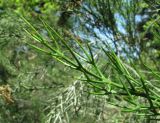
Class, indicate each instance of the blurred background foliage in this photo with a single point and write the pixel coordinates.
(130, 27)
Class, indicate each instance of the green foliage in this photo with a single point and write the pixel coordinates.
(124, 83)
(101, 64)
(30, 75)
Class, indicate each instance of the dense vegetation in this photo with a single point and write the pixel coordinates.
(79, 61)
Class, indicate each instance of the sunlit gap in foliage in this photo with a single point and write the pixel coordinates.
(102, 35)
